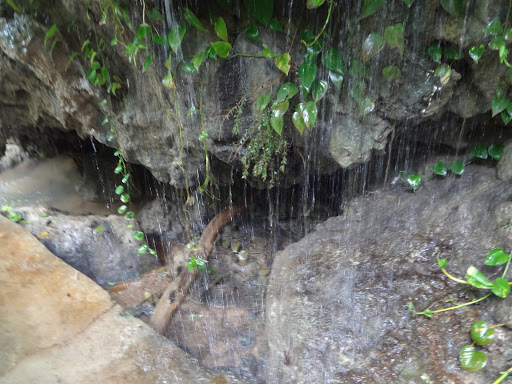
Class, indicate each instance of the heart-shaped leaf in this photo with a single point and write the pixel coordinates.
(496, 150)
(298, 121)
(497, 257)
(472, 360)
(392, 72)
(193, 20)
(143, 31)
(457, 167)
(168, 81)
(443, 72)
(336, 78)
(267, 52)
(222, 48)
(333, 60)
(283, 62)
(277, 113)
(175, 36)
(493, 28)
(189, 67)
(500, 287)
(370, 7)
(481, 333)
(274, 25)
(319, 89)
(479, 151)
(307, 74)
(262, 102)
(476, 53)
(312, 52)
(477, 279)
(220, 29)
(394, 36)
(505, 117)
(435, 52)
(372, 45)
(309, 112)
(367, 106)
(138, 235)
(252, 32)
(314, 3)
(497, 42)
(440, 169)
(499, 103)
(414, 180)
(454, 7)
(286, 92)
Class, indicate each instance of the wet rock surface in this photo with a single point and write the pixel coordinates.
(336, 309)
(58, 326)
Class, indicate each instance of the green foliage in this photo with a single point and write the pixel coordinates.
(372, 45)
(283, 62)
(11, 214)
(472, 360)
(454, 7)
(370, 7)
(197, 263)
(193, 20)
(391, 73)
(252, 32)
(394, 36)
(261, 10)
(413, 179)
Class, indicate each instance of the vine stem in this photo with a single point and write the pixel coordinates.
(503, 375)
(325, 25)
(453, 277)
(457, 306)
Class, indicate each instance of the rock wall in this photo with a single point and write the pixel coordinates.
(42, 95)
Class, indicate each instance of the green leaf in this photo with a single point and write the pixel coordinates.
(496, 43)
(477, 279)
(440, 169)
(125, 197)
(497, 257)
(122, 209)
(277, 113)
(500, 287)
(129, 215)
(312, 52)
(138, 235)
(314, 3)
(472, 360)
(252, 32)
(336, 78)
(191, 111)
(220, 29)
(493, 28)
(197, 60)
(189, 67)
(143, 31)
(267, 52)
(275, 26)
(193, 20)
(14, 6)
(261, 10)
(408, 2)
(443, 72)
(319, 89)
(283, 62)
(143, 248)
(125, 178)
(496, 151)
(333, 60)
(499, 103)
(98, 229)
(286, 92)
(168, 81)
(476, 53)
(298, 121)
(442, 263)
(175, 37)
(505, 117)
(119, 189)
(435, 52)
(158, 39)
(481, 333)
(428, 313)
(414, 180)
(147, 63)
(155, 15)
(394, 36)
(222, 48)
(306, 36)
(457, 167)
(262, 102)
(210, 52)
(372, 45)
(367, 106)
(50, 33)
(479, 151)
(307, 74)
(309, 113)
(453, 52)
(370, 7)
(392, 72)
(454, 7)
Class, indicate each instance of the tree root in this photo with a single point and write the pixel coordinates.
(176, 292)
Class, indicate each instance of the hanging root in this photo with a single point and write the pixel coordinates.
(175, 293)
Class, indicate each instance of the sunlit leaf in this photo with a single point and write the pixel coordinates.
(372, 45)
(262, 102)
(98, 229)
(476, 53)
(319, 89)
(481, 333)
(394, 36)
(143, 31)
(222, 48)
(261, 10)
(314, 3)
(392, 72)
(500, 287)
(307, 74)
(286, 92)
(168, 81)
(50, 33)
(129, 215)
(122, 209)
(309, 113)
(220, 29)
(457, 167)
(193, 20)
(119, 189)
(367, 106)
(138, 235)
(298, 122)
(497, 257)
(175, 37)
(370, 7)
(496, 151)
(125, 197)
(283, 62)
(267, 52)
(414, 180)
(143, 248)
(252, 32)
(277, 113)
(440, 169)
(493, 28)
(477, 279)
(454, 7)
(472, 360)
(147, 63)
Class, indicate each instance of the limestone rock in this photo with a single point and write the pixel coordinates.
(505, 164)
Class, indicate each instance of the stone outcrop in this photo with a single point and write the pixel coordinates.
(57, 325)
